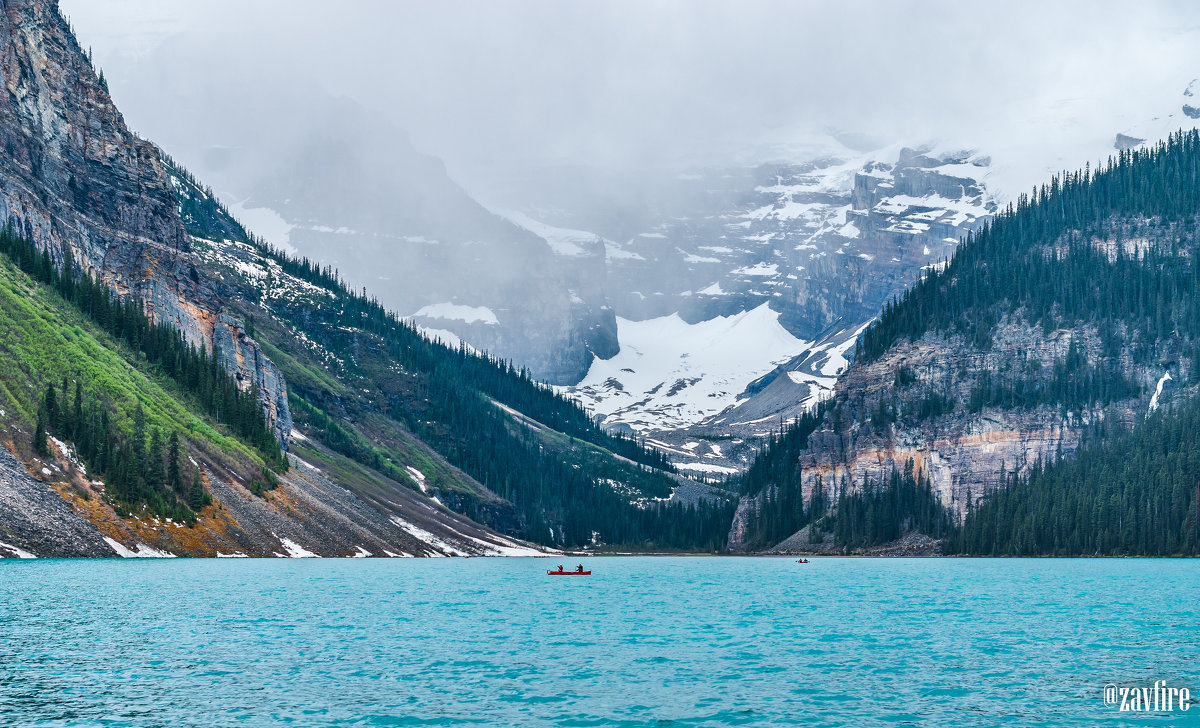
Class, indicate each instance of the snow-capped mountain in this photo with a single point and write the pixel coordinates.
(741, 295)
(737, 305)
(562, 268)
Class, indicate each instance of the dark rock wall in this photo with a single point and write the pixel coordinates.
(73, 176)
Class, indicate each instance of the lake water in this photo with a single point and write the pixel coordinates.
(642, 642)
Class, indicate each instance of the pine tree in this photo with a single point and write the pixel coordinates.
(50, 404)
(174, 478)
(40, 445)
(77, 412)
(156, 475)
(197, 498)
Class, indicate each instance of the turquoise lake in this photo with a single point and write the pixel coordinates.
(644, 641)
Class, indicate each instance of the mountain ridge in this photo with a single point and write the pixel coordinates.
(1069, 312)
(386, 455)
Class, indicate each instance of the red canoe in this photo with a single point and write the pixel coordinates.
(569, 573)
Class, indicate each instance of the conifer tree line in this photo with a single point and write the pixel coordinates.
(876, 512)
(1057, 258)
(778, 460)
(1072, 382)
(883, 511)
(1133, 493)
(142, 471)
(199, 373)
(1040, 256)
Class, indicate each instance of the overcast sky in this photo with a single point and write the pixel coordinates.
(521, 82)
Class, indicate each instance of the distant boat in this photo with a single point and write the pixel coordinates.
(569, 573)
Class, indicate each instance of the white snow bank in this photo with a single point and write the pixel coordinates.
(442, 547)
(837, 361)
(758, 269)
(455, 312)
(670, 373)
(448, 338)
(142, 551)
(707, 468)
(20, 552)
(417, 476)
(295, 550)
(563, 241)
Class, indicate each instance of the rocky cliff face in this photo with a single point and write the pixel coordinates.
(73, 177)
(924, 404)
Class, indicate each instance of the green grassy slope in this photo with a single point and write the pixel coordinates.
(43, 339)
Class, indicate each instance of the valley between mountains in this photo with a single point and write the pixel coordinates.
(837, 346)
(175, 386)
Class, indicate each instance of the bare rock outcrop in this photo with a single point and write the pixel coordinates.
(966, 451)
(74, 178)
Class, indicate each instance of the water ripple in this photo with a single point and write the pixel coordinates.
(644, 642)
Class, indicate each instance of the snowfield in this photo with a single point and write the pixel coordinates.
(671, 374)
(455, 312)
(295, 550)
(562, 240)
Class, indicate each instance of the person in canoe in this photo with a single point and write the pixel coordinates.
(560, 568)
(579, 568)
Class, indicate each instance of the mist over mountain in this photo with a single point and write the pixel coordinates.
(640, 86)
(626, 287)
(617, 207)
(181, 386)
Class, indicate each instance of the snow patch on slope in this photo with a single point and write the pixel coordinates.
(442, 547)
(417, 476)
(707, 468)
(142, 551)
(670, 373)
(446, 337)
(456, 312)
(563, 241)
(295, 550)
(20, 553)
